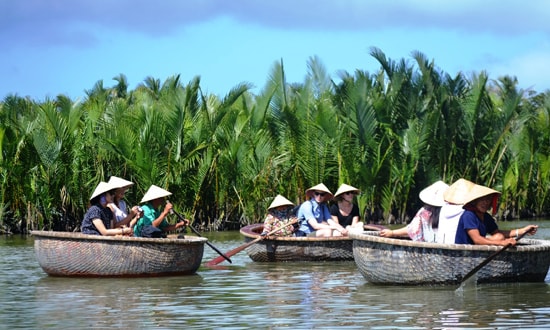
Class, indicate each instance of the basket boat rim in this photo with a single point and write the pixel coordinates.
(526, 244)
(130, 239)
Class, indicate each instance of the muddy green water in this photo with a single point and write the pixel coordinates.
(248, 295)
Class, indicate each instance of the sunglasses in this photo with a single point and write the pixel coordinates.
(350, 193)
(319, 193)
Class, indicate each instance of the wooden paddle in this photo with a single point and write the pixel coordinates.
(238, 249)
(489, 258)
(223, 256)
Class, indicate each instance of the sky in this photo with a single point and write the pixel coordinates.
(52, 47)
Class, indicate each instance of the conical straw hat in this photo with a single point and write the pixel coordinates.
(102, 188)
(279, 201)
(120, 182)
(458, 191)
(346, 188)
(433, 194)
(479, 191)
(319, 187)
(153, 193)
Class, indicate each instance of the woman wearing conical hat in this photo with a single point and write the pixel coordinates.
(97, 220)
(476, 223)
(123, 216)
(423, 226)
(314, 214)
(279, 215)
(153, 223)
(345, 213)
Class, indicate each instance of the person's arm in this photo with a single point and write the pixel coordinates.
(316, 225)
(476, 237)
(334, 224)
(310, 218)
(176, 226)
(135, 219)
(267, 224)
(401, 232)
(109, 232)
(126, 221)
(515, 233)
(158, 221)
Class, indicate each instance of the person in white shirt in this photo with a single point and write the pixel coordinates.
(450, 212)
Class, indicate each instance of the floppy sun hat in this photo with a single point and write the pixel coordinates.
(320, 187)
(433, 194)
(102, 188)
(458, 191)
(344, 188)
(120, 182)
(280, 201)
(153, 193)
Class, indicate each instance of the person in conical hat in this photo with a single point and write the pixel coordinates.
(279, 216)
(476, 222)
(319, 190)
(123, 216)
(98, 217)
(153, 222)
(452, 210)
(314, 214)
(423, 226)
(344, 212)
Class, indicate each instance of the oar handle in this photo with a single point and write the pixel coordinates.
(238, 249)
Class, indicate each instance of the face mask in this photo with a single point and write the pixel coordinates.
(103, 200)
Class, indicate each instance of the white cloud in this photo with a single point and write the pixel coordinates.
(531, 69)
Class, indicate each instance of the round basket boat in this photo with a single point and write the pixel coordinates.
(281, 249)
(77, 254)
(404, 262)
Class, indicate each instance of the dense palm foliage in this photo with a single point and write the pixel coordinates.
(390, 133)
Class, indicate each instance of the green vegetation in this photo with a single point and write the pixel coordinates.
(389, 133)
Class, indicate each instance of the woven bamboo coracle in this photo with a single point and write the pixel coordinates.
(281, 249)
(77, 254)
(404, 262)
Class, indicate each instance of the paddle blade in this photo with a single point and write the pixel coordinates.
(231, 253)
(215, 261)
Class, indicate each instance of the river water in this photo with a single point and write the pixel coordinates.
(248, 295)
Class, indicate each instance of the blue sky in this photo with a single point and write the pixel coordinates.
(51, 47)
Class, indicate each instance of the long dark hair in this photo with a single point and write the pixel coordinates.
(435, 214)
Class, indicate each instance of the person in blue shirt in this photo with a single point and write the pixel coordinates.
(476, 223)
(314, 214)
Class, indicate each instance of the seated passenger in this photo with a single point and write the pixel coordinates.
(153, 223)
(97, 220)
(345, 213)
(123, 216)
(475, 223)
(280, 216)
(452, 210)
(314, 214)
(423, 226)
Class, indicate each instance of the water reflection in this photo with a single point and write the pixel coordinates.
(101, 302)
(442, 307)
